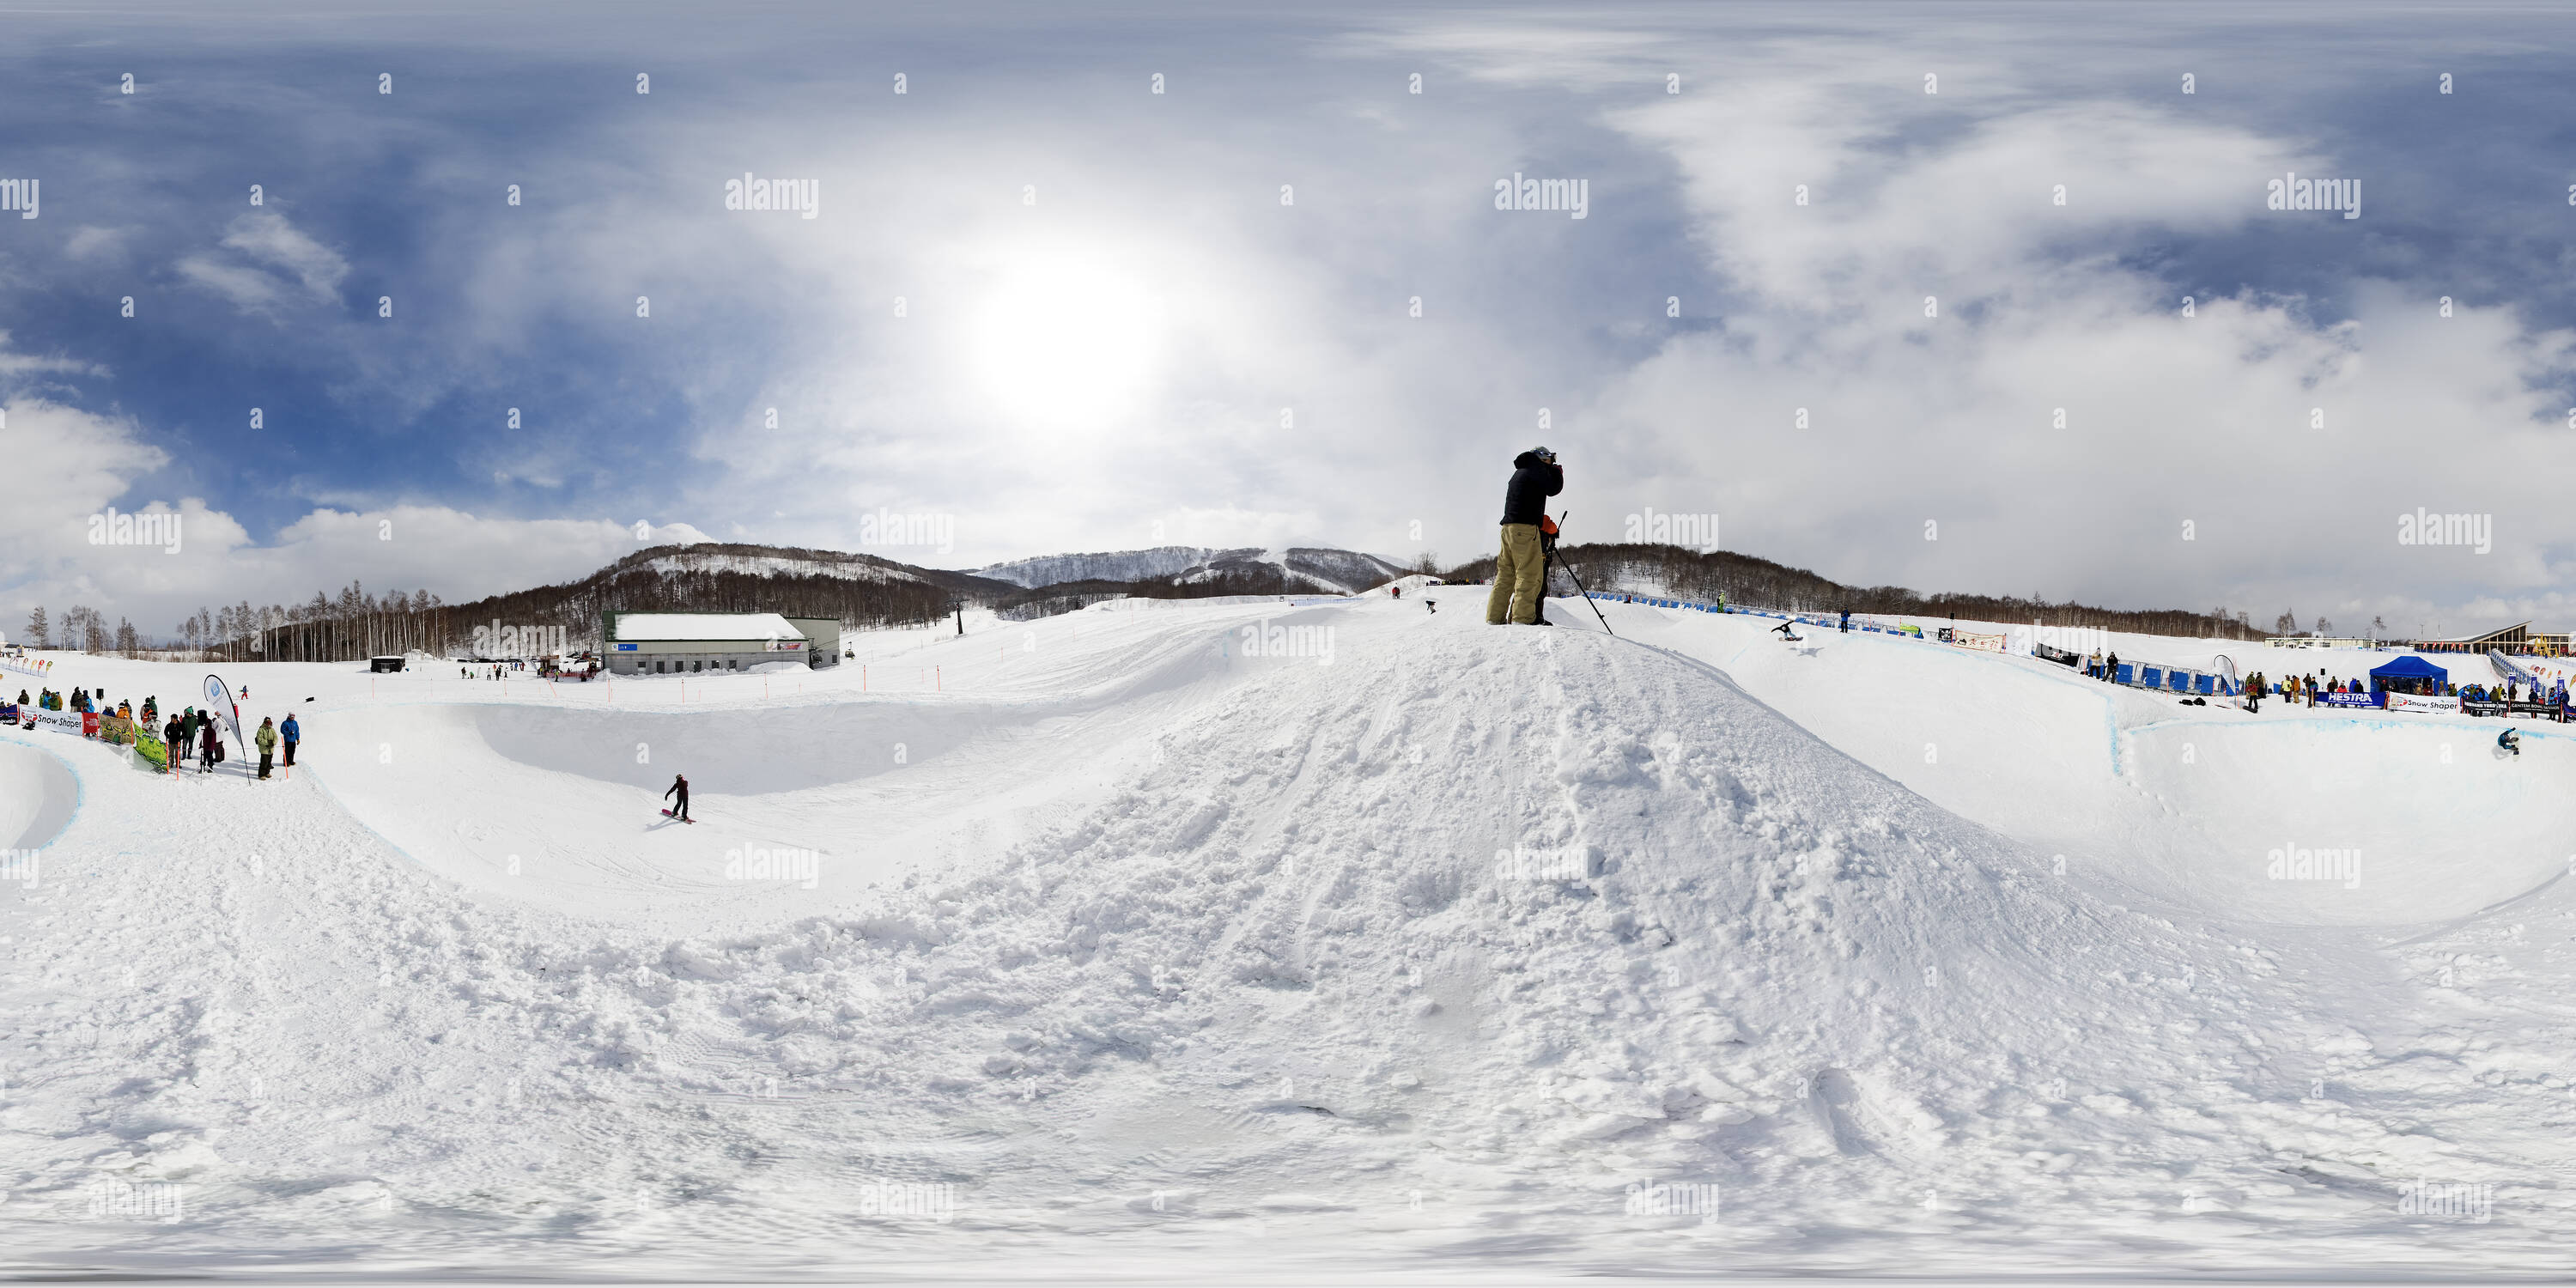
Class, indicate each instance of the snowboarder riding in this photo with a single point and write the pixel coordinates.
(1520, 571)
(2510, 740)
(679, 785)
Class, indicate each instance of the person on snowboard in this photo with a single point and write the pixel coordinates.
(2510, 740)
(1520, 571)
(680, 785)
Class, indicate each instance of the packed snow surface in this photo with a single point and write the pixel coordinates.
(1268, 937)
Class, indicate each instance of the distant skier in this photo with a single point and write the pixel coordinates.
(679, 787)
(2510, 740)
(1520, 571)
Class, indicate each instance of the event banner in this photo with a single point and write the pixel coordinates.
(2421, 702)
(219, 704)
(2482, 708)
(1990, 643)
(2349, 699)
(70, 722)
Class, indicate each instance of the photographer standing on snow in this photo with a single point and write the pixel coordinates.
(1520, 571)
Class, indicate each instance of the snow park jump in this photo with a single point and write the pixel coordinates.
(1381, 645)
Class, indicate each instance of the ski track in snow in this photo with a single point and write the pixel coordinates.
(1179, 954)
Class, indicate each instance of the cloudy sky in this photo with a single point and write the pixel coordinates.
(1898, 293)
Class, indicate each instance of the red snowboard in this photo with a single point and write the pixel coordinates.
(667, 814)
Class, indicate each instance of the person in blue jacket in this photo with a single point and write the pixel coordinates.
(293, 734)
(2510, 740)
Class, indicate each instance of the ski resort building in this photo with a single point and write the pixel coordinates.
(657, 643)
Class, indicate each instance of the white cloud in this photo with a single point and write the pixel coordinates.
(90, 241)
(89, 463)
(281, 260)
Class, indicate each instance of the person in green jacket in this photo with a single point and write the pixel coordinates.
(267, 740)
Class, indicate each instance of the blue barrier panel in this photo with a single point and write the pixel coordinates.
(2201, 684)
(2152, 677)
(2179, 681)
(2127, 674)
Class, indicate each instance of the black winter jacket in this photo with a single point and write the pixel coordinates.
(1533, 482)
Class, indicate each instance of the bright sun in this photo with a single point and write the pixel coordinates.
(1066, 343)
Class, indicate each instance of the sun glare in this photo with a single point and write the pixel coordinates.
(1066, 343)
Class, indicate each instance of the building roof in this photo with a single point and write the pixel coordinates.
(632, 627)
(2498, 633)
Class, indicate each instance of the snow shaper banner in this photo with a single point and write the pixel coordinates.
(219, 703)
(2422, 702)
(75, 723)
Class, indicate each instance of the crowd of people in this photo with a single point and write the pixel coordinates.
(2308, 689)
(188, 734)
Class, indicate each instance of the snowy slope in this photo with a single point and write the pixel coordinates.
(1161, 563)
(1344, 571)
(1205, 939)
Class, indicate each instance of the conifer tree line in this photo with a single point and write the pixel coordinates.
(357, 624)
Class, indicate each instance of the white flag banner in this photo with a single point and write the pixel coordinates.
(219, 704)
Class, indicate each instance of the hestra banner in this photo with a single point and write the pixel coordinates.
(219, 703)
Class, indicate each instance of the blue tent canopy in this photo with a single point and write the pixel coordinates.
(2409, 667)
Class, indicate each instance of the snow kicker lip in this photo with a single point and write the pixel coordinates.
(42, 795)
